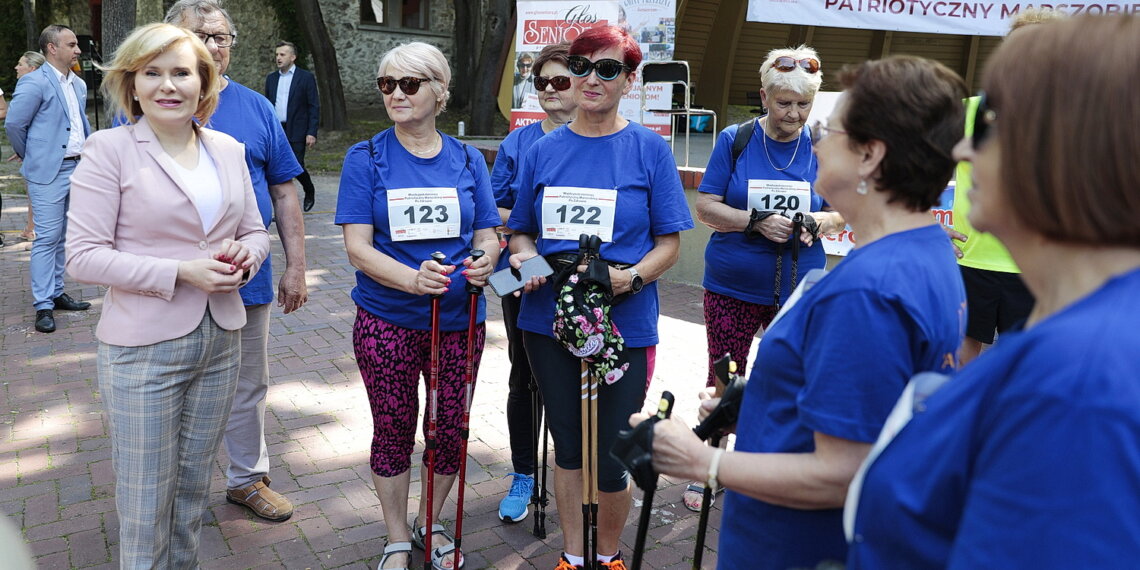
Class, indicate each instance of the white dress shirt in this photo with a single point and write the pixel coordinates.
(284, 81)
(75, 136)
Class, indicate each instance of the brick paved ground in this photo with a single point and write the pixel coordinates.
(56, 482)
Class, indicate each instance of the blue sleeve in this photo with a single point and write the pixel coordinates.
(1054, 479)
(857, 359)
(355, 197)
(505, 173)
(522, 218)
(486, 212)
(25, 104)
(719, 168)
(283, 165)
(668, 209)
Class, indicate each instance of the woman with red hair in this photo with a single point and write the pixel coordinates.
(612, 169)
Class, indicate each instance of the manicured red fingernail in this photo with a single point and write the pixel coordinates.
(464, 272)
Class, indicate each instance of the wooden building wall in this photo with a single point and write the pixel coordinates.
(725, 52)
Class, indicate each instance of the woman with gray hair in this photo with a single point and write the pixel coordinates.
(391, 244)
(749, 199)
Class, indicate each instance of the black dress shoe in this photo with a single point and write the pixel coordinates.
(64, 302)
(45, 321)
(310, 199)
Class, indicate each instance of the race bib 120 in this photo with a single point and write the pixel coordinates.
(784, 196)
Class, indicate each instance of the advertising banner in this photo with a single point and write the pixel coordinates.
(965, 17)
(543, 22)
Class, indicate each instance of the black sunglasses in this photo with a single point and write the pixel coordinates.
(409, 85)
(560, 82)
(985, 121)
(607, 69)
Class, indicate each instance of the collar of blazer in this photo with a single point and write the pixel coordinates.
(213, 142)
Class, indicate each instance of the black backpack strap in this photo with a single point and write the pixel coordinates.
(743, 136)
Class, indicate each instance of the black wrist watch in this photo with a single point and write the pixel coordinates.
(636, 283)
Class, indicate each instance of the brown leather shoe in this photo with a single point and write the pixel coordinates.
(263, 501)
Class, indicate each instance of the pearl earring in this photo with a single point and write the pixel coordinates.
(136, 97)
(862, 188)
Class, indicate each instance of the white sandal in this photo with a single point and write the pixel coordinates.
(394, 549)
(437, 554)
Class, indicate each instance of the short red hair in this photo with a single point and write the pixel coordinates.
(605, 37)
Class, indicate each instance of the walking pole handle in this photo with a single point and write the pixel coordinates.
(475, 289)
(439, 258)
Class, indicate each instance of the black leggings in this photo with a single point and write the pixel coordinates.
(559, 378)
(521, 418)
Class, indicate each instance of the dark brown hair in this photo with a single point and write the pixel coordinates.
(914, 106)
(559, 53)
(1069, 139)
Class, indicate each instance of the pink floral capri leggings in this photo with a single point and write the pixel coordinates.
(392, 359)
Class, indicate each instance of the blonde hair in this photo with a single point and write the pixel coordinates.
(797, 80)
(143, 45)
(34, 59)
(421, 59)
(1030, 16)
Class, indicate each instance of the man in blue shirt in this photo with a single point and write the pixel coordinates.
(293, 92)
(245, 115)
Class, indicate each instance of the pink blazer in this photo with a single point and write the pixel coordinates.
(131, 222)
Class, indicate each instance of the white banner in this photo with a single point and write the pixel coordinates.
(972, 18)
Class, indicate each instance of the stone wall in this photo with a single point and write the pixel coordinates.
(359, 46)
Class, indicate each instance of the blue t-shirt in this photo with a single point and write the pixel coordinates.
(1027, 458)
(365, 182)
(743, 268)
(505, 174)
(835, 364)
(247, 116)
(639, 165)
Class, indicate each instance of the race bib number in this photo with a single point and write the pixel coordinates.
(423, 213)
(569, 212)
(784, 196)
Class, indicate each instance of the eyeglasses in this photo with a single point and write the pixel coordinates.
(525, 64)
(607, 69)
(220, 40)
(820, 130)
(409, 85)
(787, 63)
(985, 121)
(559, 82)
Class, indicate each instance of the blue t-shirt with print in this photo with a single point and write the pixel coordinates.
(743, 268)
(505, 173)
(366, 179)
(248, 117)
(1027, 458)
(639, 165)
(835, 363)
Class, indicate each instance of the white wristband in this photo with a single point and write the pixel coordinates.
(714, 468)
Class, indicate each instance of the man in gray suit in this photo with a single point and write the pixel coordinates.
(47, 125)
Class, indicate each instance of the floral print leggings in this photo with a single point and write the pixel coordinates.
(392, 359)
(730, 325)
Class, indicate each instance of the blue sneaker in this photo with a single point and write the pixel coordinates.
(515, 506)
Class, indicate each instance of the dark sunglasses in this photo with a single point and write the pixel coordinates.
(985, 120)
(409, 85)
(607, 69)
(787, 63)
(560, 82)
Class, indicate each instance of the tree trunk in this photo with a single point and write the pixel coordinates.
(467, 26)
(334, 114)
(30, 28)
(118, 21)
(498, 28)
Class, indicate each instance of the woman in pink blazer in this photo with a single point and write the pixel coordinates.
(163, 214)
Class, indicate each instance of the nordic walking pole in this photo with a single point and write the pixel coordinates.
(664, 410)
(433, 395)
(585, 393)
(797, 228)
(473, 294)
(594, 248)
(538, 493)
(706, 499)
